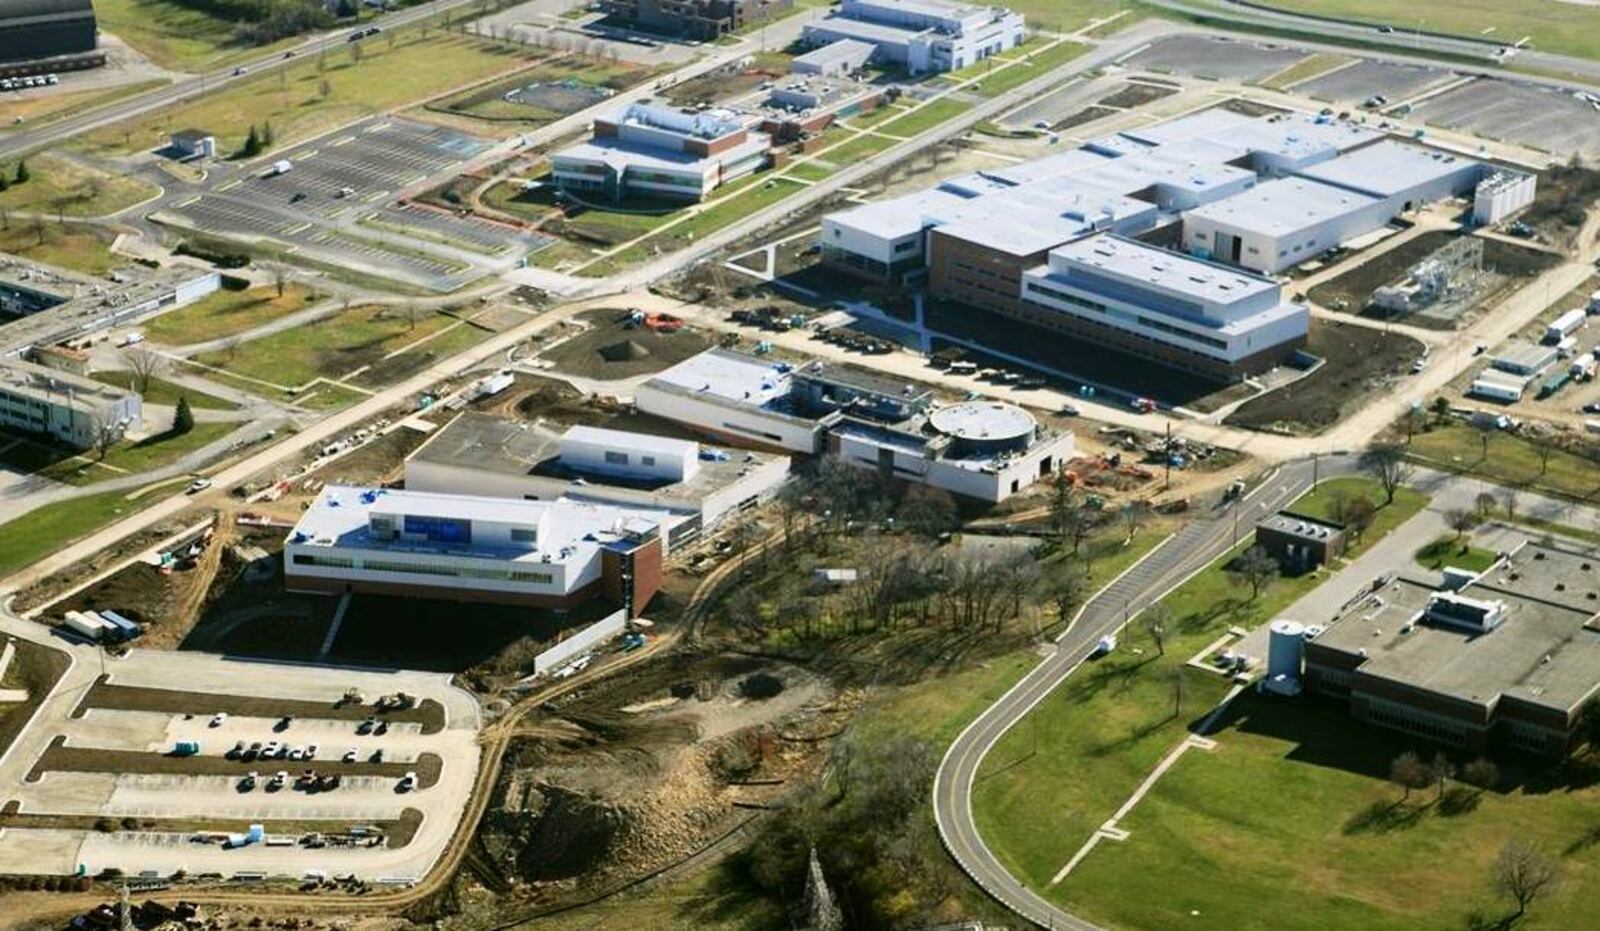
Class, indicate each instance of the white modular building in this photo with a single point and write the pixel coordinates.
(921, 35)
(1281, 223)
(480, 454)
(554, 554)
(1185, 311)
(655, 150)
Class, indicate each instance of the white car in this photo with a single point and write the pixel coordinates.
(219, 719)
(279, 780)
(407, 782)
(311, 752)
(350, 755)
(199, 485)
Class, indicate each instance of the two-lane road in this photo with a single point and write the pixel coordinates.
(1186, 552)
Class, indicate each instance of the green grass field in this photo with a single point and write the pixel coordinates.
(924, 118)
(72, 246)
(1055, 16)
(1027, 64)
(329, 348)
(1550, 25)
(57, 186)
(754, 194)
(139, 456)
(1450, 551)
(1511, 460)
(44, 530)
(177, 35)
(162, 391)
(854, 150)
(1088, 745)
(808, 171)
(1323, 504)
(226, 312)
(385, 78)
(43, 110)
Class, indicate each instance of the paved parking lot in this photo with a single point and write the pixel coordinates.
(1216, 58)
(315, 207)
(1355, 83)
(1544, 118)
(188, 797)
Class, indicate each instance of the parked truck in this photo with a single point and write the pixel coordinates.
(1583, 367)
(126, 629)
(186, 748)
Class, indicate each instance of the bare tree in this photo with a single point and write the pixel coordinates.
(1359, 513)
(1070, 517)
(1440, 769)
(1486, 504)
(1387, 465)
(1522, 874)
(1157, 622)
(1481, 773)
(1460, 520)
(145, 364)
(1254, 568)
(280, 280)
(1065, 585)
(1134, 514)
(1544, 446)
(1409, 772)
(106, 438)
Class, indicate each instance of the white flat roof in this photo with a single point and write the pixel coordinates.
(1283, 205)
(898, 216)
(339, 517)
(840, 49)
(1387, 168)
(728, 376)
(865, 30)
(621, 154)
(1174, 271)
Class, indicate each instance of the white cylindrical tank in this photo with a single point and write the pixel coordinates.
(1286, 643)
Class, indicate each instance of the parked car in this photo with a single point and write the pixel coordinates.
(407, 783)
(199, 485)
(219, 719)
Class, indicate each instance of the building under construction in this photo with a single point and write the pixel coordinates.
(1449, 274)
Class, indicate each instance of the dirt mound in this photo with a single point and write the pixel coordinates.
(625, 351)
(572, 834)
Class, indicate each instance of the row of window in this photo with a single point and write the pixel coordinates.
(1415, 722)
(423, 568)
(1154, 324)
(616, 458)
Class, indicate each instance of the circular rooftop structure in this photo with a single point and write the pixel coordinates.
(984, 422)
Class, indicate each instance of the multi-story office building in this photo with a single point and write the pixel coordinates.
(72, 410)
(654, 150)
(693, 19)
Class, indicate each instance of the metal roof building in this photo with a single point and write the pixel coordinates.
(31, 29)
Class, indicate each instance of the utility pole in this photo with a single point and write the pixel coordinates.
(1167, 481)
(1315, 471)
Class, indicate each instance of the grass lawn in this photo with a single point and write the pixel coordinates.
(56, 185)
(45, 530)
(1458, 553)
(1323, 504)
(808, 171)
(176, 34)
(162, 391)
(1306, 68)
(385, 78)
(1088, 745)
(509, 197)
(225, 312)
(1026, 67)
(1549, 25)
(854, 150)
(326, 396)
(1511, 460)
(1055, 16)
(328, 348)
(41, 110)
(755, 195)
(1295, 810)
(881, 115)
(924, 118)
(70, 245)
(142, 455)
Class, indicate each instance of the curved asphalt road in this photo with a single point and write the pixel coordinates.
(1185, 553)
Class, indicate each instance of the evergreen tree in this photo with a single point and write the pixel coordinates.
(266, 134)
(22, 172)
(182, 417)
(252, 143)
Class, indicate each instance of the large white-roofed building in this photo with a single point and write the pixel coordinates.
(481, 454)
(1281, 223)
(921, 35)
(551, 554)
